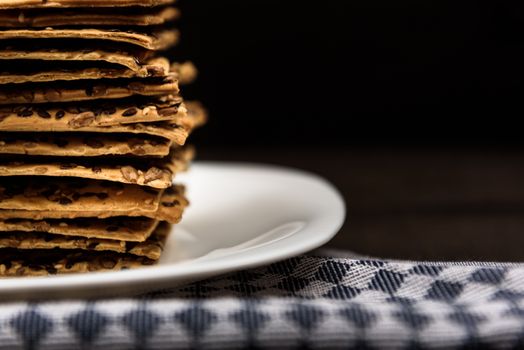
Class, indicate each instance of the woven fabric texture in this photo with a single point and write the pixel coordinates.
(305, 302)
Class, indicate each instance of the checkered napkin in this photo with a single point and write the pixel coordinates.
(305, 302)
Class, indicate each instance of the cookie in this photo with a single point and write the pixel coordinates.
(16, 72)
(152, 177)
(167, 108)
(172, 205)
(88, 17)
(136, 229)
(173, 132)
(156, 173)
(46, 71)
(82, 144)
(186, 72)
(75, 194)
(170, 209)
(151, 248)
(138, 60)
(82, 91)
(179, 159)
(19, 4)
(196, 113)
(159, 40)
(106, 112)
(39, 263)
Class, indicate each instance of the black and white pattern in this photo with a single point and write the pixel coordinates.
(305, 302)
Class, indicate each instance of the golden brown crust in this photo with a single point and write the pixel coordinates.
(157, 68)
(92, 130)
(75, 194)
(118, 228)
(33, 263)
(173, 132)
(156, 173)
(87, 17)
(187, 72)
(197, 112)
(136, 61)
(106, 113)
(82, 91)
(155, 41)
(151, 248)
(170, 209)
(18, 4)
(82, 145)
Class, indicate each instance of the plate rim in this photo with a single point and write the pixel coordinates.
(164, 273)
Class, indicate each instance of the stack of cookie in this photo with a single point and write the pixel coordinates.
(92, 133)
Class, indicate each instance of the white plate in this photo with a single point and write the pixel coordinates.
(241, 216)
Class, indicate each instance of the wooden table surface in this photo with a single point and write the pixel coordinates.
(407, 203)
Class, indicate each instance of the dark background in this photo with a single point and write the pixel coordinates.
(371, 72)
(411, 108)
